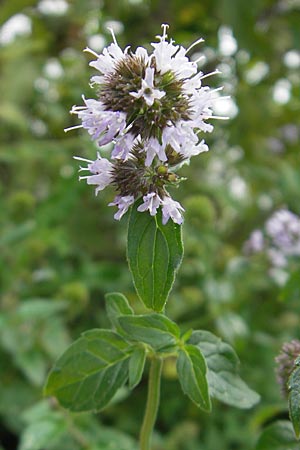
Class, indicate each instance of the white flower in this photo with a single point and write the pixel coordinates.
(103, 126)
(183, 139)
(123, 203)
(168, 57)
(171, 209)
(147, 91)
(110, 56)
(152, 202)
(123, 146)
(101, 170)
(154, 148)
(280, 239)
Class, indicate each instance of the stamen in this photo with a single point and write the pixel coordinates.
(199, 59)
(74, 109)
(82, 159)
(72, 128)
(194, 44)
(226, 97)
(219, 117)
(113, 35)
(215, 72)
(89, 50)
(218, 89)
(164, 26)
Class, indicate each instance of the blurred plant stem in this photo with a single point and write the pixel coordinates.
(152, 403)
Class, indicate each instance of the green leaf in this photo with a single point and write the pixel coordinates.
(278, 436)
(90, 372)
(136, 366)
(294, 397)
(154, 254)
(191, 369)
(153, 329)
(117, 305)
(42, 433)
(45, 426)
(223, 379)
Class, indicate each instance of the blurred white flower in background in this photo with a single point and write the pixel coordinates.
(17, 25)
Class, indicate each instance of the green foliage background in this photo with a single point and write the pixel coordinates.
(61, 250)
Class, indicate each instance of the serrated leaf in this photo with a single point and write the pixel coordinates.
(90, 372)
(154, 254)
(191, 369)
(117, 305)
(223, 378)
(278, 436)
(136, 366)
(153, 329)
(294, 399)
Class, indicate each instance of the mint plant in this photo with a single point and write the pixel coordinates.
(151, 108)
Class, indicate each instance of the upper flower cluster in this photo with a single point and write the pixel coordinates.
(151, 108)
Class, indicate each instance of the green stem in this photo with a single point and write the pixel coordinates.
(152, 403)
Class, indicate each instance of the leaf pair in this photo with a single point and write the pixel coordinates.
(90, 372)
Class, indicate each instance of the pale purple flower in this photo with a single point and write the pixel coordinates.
(147, 91)
(152, 202)
(279, 239)
(123, 203)
(154, 148)
(173, 57)
(110, 56)
(101, 170)
(123, 146)
(283, 228)
(171, 209)
(255, 242)
(183, 139)
(103, 126)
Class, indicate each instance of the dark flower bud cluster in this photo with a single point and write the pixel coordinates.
(285, 361)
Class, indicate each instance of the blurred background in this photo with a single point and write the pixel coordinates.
(61, 250)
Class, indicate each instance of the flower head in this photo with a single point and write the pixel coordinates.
(280, 238)
(279, 242)
(151, 108)
(147, 91)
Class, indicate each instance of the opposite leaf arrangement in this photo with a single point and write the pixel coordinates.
(151, 108)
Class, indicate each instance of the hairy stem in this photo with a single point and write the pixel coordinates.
(152, 403)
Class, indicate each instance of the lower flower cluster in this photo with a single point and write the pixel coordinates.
(133, 180)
